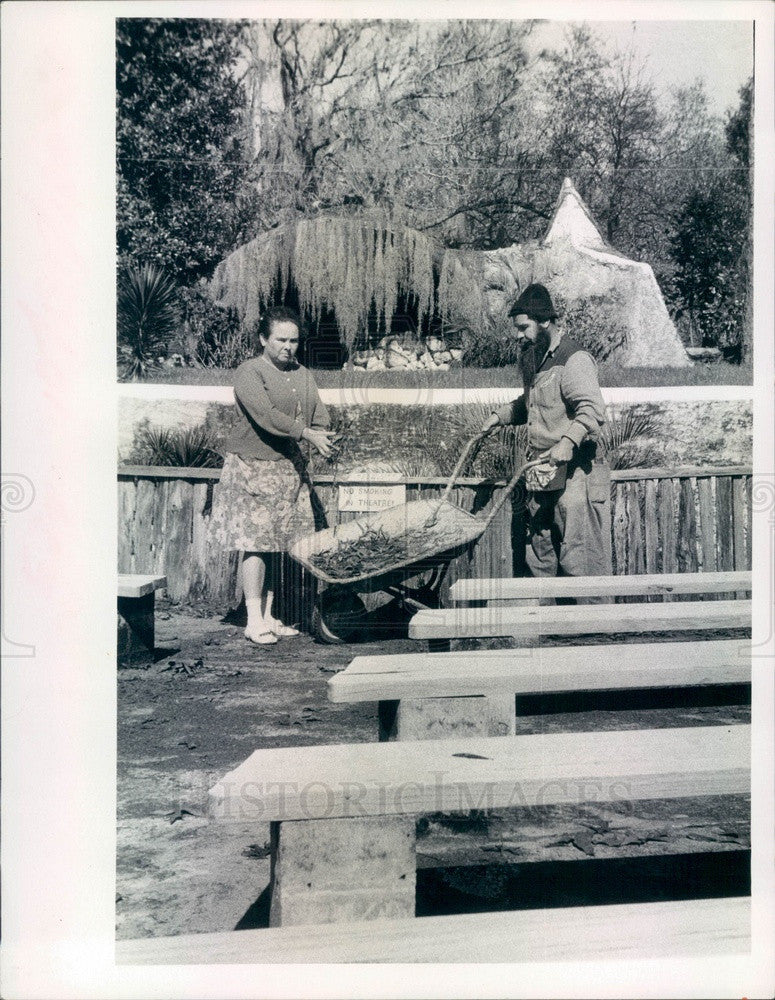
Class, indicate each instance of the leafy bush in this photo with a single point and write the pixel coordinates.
(712, 281)
(413, 440)
(491, 346)
(711, 248)
(213, 337)
(147, 315)
(193, 448)
(595, 324)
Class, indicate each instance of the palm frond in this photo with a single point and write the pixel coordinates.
(627, 442)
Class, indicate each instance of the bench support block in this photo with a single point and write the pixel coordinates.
(136, 635)
(332, 870)
(442, 718)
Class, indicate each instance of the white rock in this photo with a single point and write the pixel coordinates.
(443, 357)
(435, 344)
(456, 353)
(442, 367)
(375, 365)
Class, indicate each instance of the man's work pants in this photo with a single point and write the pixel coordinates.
(570, 530)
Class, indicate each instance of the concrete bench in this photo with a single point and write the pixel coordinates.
(342, 818)
(432, 695)
(568, 934)
(532, 622)
(136, 617)
(606, 587)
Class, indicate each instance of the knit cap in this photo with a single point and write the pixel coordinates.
(535, 302)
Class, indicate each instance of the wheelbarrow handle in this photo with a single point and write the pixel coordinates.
(475, 440)
(509, 488)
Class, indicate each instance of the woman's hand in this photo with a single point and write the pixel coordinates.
(322, 440)
(490, 423)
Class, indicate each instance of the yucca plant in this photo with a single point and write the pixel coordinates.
(190, 449)
(147, 317)
(624, 440)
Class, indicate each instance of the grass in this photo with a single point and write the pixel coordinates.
(714, 373)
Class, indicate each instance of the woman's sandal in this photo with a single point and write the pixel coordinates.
(261, 638)
(284, 631)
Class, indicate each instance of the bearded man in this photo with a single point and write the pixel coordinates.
(569, 496)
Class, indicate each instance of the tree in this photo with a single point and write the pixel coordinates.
(418, 121)
(690, 153)
(602, 128)
(712, 246)
(182, 196)
(738, 131)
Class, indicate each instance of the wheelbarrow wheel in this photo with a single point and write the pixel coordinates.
(337, 616)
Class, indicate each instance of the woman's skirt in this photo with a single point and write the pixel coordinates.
(261, 505)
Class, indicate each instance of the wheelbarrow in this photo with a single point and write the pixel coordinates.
(419, 537)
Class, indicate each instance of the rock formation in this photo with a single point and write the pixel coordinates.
(576, 265)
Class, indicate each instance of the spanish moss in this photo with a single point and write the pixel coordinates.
(354, 267)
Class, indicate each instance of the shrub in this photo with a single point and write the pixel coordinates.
(595, 324)
(213, 337)
(193, 448)
(492, 346)
(147, 316)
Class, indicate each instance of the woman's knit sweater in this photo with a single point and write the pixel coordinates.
(273, 407)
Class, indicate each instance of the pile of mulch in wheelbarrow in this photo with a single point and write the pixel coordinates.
(413, 532)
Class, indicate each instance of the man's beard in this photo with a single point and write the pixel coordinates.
(532, 355)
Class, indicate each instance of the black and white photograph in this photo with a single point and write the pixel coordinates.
(430, 396)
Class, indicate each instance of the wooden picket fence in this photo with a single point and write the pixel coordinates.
(682, 519)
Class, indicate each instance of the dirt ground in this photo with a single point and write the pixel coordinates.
(210, 699)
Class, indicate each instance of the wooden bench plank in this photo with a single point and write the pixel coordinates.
(624, 931)
(308, 783)
(529, 622)
(543, 669)
(137, 585)
(640, 585)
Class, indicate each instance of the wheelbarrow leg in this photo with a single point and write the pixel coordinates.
(401, 594)
(434, 586)
(336, 615)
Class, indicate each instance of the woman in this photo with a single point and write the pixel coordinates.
(263, 501)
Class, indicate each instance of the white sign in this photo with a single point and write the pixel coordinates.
(369, 498)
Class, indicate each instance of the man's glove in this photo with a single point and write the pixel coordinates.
(538, 477)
